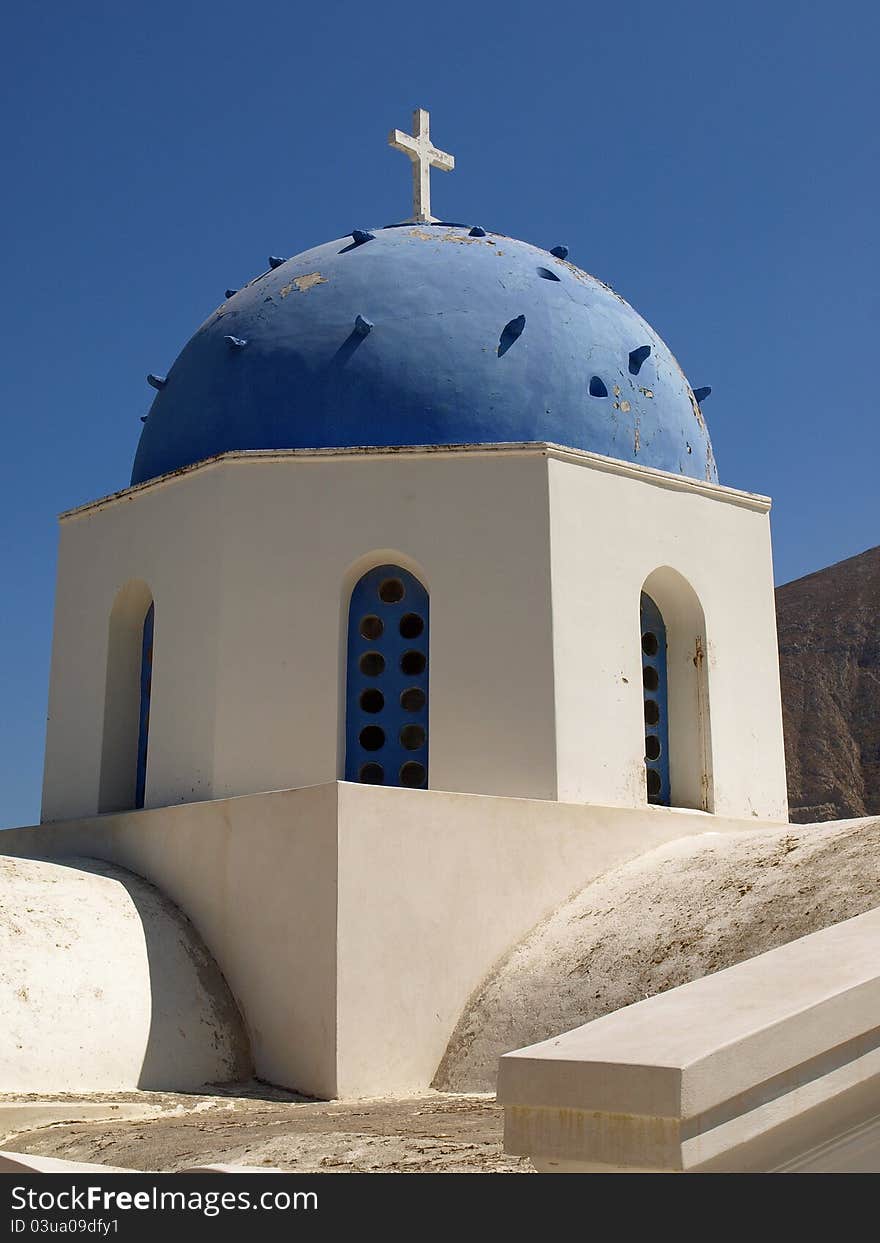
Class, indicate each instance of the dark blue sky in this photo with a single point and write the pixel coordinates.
(717, 164)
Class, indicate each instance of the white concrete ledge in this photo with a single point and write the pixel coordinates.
(18, 1116)
(225, 1168)
(771, 1064)
(356, 898)
(27, 1163)
(581, 457)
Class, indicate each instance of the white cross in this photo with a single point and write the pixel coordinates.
(424, 156)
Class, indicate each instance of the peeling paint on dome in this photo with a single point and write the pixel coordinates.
(443, 297)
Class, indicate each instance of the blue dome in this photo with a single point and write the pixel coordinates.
(425, 334)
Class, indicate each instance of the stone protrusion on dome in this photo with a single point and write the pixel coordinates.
(452, 300)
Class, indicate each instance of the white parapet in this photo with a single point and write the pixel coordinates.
(31, 1163)
(770, 1065)
(353, 922)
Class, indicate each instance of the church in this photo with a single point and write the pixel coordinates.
(423, 608)
(423, 507)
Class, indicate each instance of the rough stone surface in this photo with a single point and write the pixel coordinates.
(677, 913)
(829, 654)
(105, 985)
(256, 1125)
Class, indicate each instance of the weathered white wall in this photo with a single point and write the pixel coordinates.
(534, 559)
(167, 538)
(296, 535)
(434, 890)
(610, 530)
(250, 562)
(257, 877)
(352, 923)
(104, 986)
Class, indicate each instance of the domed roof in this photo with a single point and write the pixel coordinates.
(425, 334)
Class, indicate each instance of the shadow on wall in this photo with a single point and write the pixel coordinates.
(689, 717)
(124, 734)
(197, 1033)
(108, 986)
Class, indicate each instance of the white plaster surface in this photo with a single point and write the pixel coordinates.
(534, 558)
(676, 913)
(25, 1163)
(773, 1062)
(226, 1167)
(609, 533)
(28, 1163)
(105, 986)
(352, 923)
(17, 1115)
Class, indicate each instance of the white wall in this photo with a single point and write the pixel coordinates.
(105, 987)
(167, 538)
(434, 890)
(257, 877)
(298, 533)
(250, 561)
(611, 529)
(534, 559)
(352, 923)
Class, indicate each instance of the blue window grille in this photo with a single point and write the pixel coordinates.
(386, 730)
(144, 714)
(656, 701)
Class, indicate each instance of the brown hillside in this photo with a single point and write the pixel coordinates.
(829, 655)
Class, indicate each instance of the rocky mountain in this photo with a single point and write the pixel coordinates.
(829, 653)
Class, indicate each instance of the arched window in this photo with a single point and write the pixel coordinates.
(656, 700)
(386, 735)
(146, 689)
(127, 699)
(678, 734)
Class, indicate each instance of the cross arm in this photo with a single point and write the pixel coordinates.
(403, 142)
(441, 160)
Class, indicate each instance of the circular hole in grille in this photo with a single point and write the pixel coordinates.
(391, 591)
(372, 700)
(650, 646)
(412, 737)
(372, 738)
(412, 699)
(371, 626)
(411, 625)
(413, 774)
(413, 663)
(371, 664)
